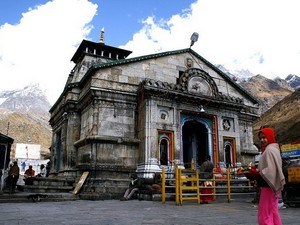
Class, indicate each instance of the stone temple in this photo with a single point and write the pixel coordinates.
(118, 115)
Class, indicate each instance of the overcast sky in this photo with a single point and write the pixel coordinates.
(38, 39)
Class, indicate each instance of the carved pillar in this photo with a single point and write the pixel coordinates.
(62, 161)
(94, 132)
(73, 135)
(95, 117)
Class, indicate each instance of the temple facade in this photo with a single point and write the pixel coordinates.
(117, 115)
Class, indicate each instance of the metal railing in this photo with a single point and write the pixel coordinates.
(226, 182)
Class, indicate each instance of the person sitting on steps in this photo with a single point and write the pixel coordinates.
(42, 172)
(29, 173)
(138, 184)
(133, 188)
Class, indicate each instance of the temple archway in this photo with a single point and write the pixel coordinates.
(163, 152)
(195, 142)
(229, 151)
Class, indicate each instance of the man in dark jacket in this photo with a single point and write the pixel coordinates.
(207, 168)
(13, 176)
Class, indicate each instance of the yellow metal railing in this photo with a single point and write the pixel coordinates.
(188, 185)
(222, 180)
(163, 185)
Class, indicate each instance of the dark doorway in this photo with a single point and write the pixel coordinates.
(228, 155)
(195, 143)
(163, 155)
(229, 151)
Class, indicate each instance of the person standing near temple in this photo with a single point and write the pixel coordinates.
(48, 167)
(271, 179)
(206, 170)
(23, 164)
(13, 176)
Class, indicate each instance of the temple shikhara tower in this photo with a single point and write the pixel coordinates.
(118, 115)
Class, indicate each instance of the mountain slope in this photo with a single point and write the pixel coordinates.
(23, 128)
(267, 91)
(24, 117)
(293, 81)
(29, 99)
(284, 117)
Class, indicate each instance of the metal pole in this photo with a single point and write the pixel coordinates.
(228, 184)
(163, 185)
(176, 184)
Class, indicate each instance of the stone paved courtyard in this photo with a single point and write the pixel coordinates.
(239, 211)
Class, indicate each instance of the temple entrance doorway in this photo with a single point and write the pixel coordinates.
(229, 151)
(195, 143)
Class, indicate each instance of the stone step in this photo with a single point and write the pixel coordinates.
(22, 197)
(47, 189)
(57, 181)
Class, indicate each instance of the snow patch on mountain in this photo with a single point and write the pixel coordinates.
(293, 81)
(30, 98)
(2, 100)
(244, 75)
(236, 75)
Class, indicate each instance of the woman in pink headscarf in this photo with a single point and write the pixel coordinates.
(271, 179)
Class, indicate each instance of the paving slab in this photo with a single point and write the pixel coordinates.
(238, 211)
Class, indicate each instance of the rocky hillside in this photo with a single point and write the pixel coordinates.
(29, 99)
(284, 117)
(280, 106)
(293, 81)
(267, 91)
(24, 117)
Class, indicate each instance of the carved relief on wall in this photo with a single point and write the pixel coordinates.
(197, 81)
(164, 114)
(189, 63)
(199, 85)
(228, 124)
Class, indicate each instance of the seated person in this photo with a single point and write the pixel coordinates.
(43, 171)
(138, 184)
(133, 188)
(156, 186)
(29, 173)
(152, 186)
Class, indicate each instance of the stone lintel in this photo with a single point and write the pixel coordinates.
(106, 167)
(106, 139)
